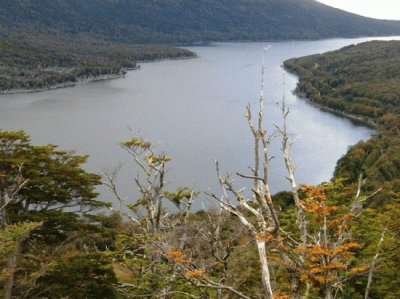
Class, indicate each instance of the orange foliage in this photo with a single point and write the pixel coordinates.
(358, 270)
(318, 250)
(280, 295)
(329, 267)
(178, 257)
(264, 237)
(196, 274)
(329, 257)
(345, 249)
(341, 224)
(315, 203)
(276, 242)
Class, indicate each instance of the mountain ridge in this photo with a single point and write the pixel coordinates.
(187, 21)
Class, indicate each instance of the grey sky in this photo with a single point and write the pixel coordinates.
(380, 9)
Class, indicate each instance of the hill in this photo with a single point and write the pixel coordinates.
(47, 63)
(360, 81)
(186, 21)
(46, 44)
(363, 81)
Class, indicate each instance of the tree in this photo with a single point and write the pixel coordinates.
(257, 213)
(327, 258)
(153, 230)
(44, 193)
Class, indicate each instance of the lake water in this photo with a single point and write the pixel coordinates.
(193, 110)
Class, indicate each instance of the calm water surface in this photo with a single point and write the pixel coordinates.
(194, 111)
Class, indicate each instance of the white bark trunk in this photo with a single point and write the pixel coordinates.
(328, 293)
(373, 263)
(266, 277)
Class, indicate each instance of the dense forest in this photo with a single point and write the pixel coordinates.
(47, 44)
(335, 240)
(362, 82)
(188, 21)
(46, 63)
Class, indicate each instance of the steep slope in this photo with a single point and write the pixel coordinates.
(361, 81)
(177, 21)
(364, 80)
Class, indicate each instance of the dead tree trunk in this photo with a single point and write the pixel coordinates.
(263, 222)
(373, 264)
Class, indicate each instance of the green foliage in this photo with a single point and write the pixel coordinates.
(64, 252)
(176, 21)
(55, 178)
(44, 197)
(9, 235)
(60, 43)
(362, 82)
(79, 275)
(181, 196)
(47, 62)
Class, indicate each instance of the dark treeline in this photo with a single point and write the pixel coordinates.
(176, 21)
(47, 62)
(363, 82)
(46, 44)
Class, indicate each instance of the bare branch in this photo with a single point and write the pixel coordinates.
(373, 264)
(213, 285)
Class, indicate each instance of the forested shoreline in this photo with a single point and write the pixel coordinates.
(363, 81)
(338, 239)
(46, 64)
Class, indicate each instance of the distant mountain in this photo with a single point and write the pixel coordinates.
(186, 21)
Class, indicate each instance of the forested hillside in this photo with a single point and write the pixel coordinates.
(48, 63)
(46, 44)
(177, 21)
(362, 82)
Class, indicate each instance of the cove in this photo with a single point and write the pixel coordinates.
(193, 110)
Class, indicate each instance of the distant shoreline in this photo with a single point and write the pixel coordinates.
(64, 85)
(81, 81)
(354, 118)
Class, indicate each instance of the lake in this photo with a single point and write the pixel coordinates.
(193, 110)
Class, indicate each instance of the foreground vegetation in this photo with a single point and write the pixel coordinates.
(336, 240)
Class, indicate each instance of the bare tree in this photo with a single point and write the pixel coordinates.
(301, 220)
(149, 208)
(373, 264)
(257, 212)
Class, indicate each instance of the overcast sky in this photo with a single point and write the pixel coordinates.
(380, 9)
